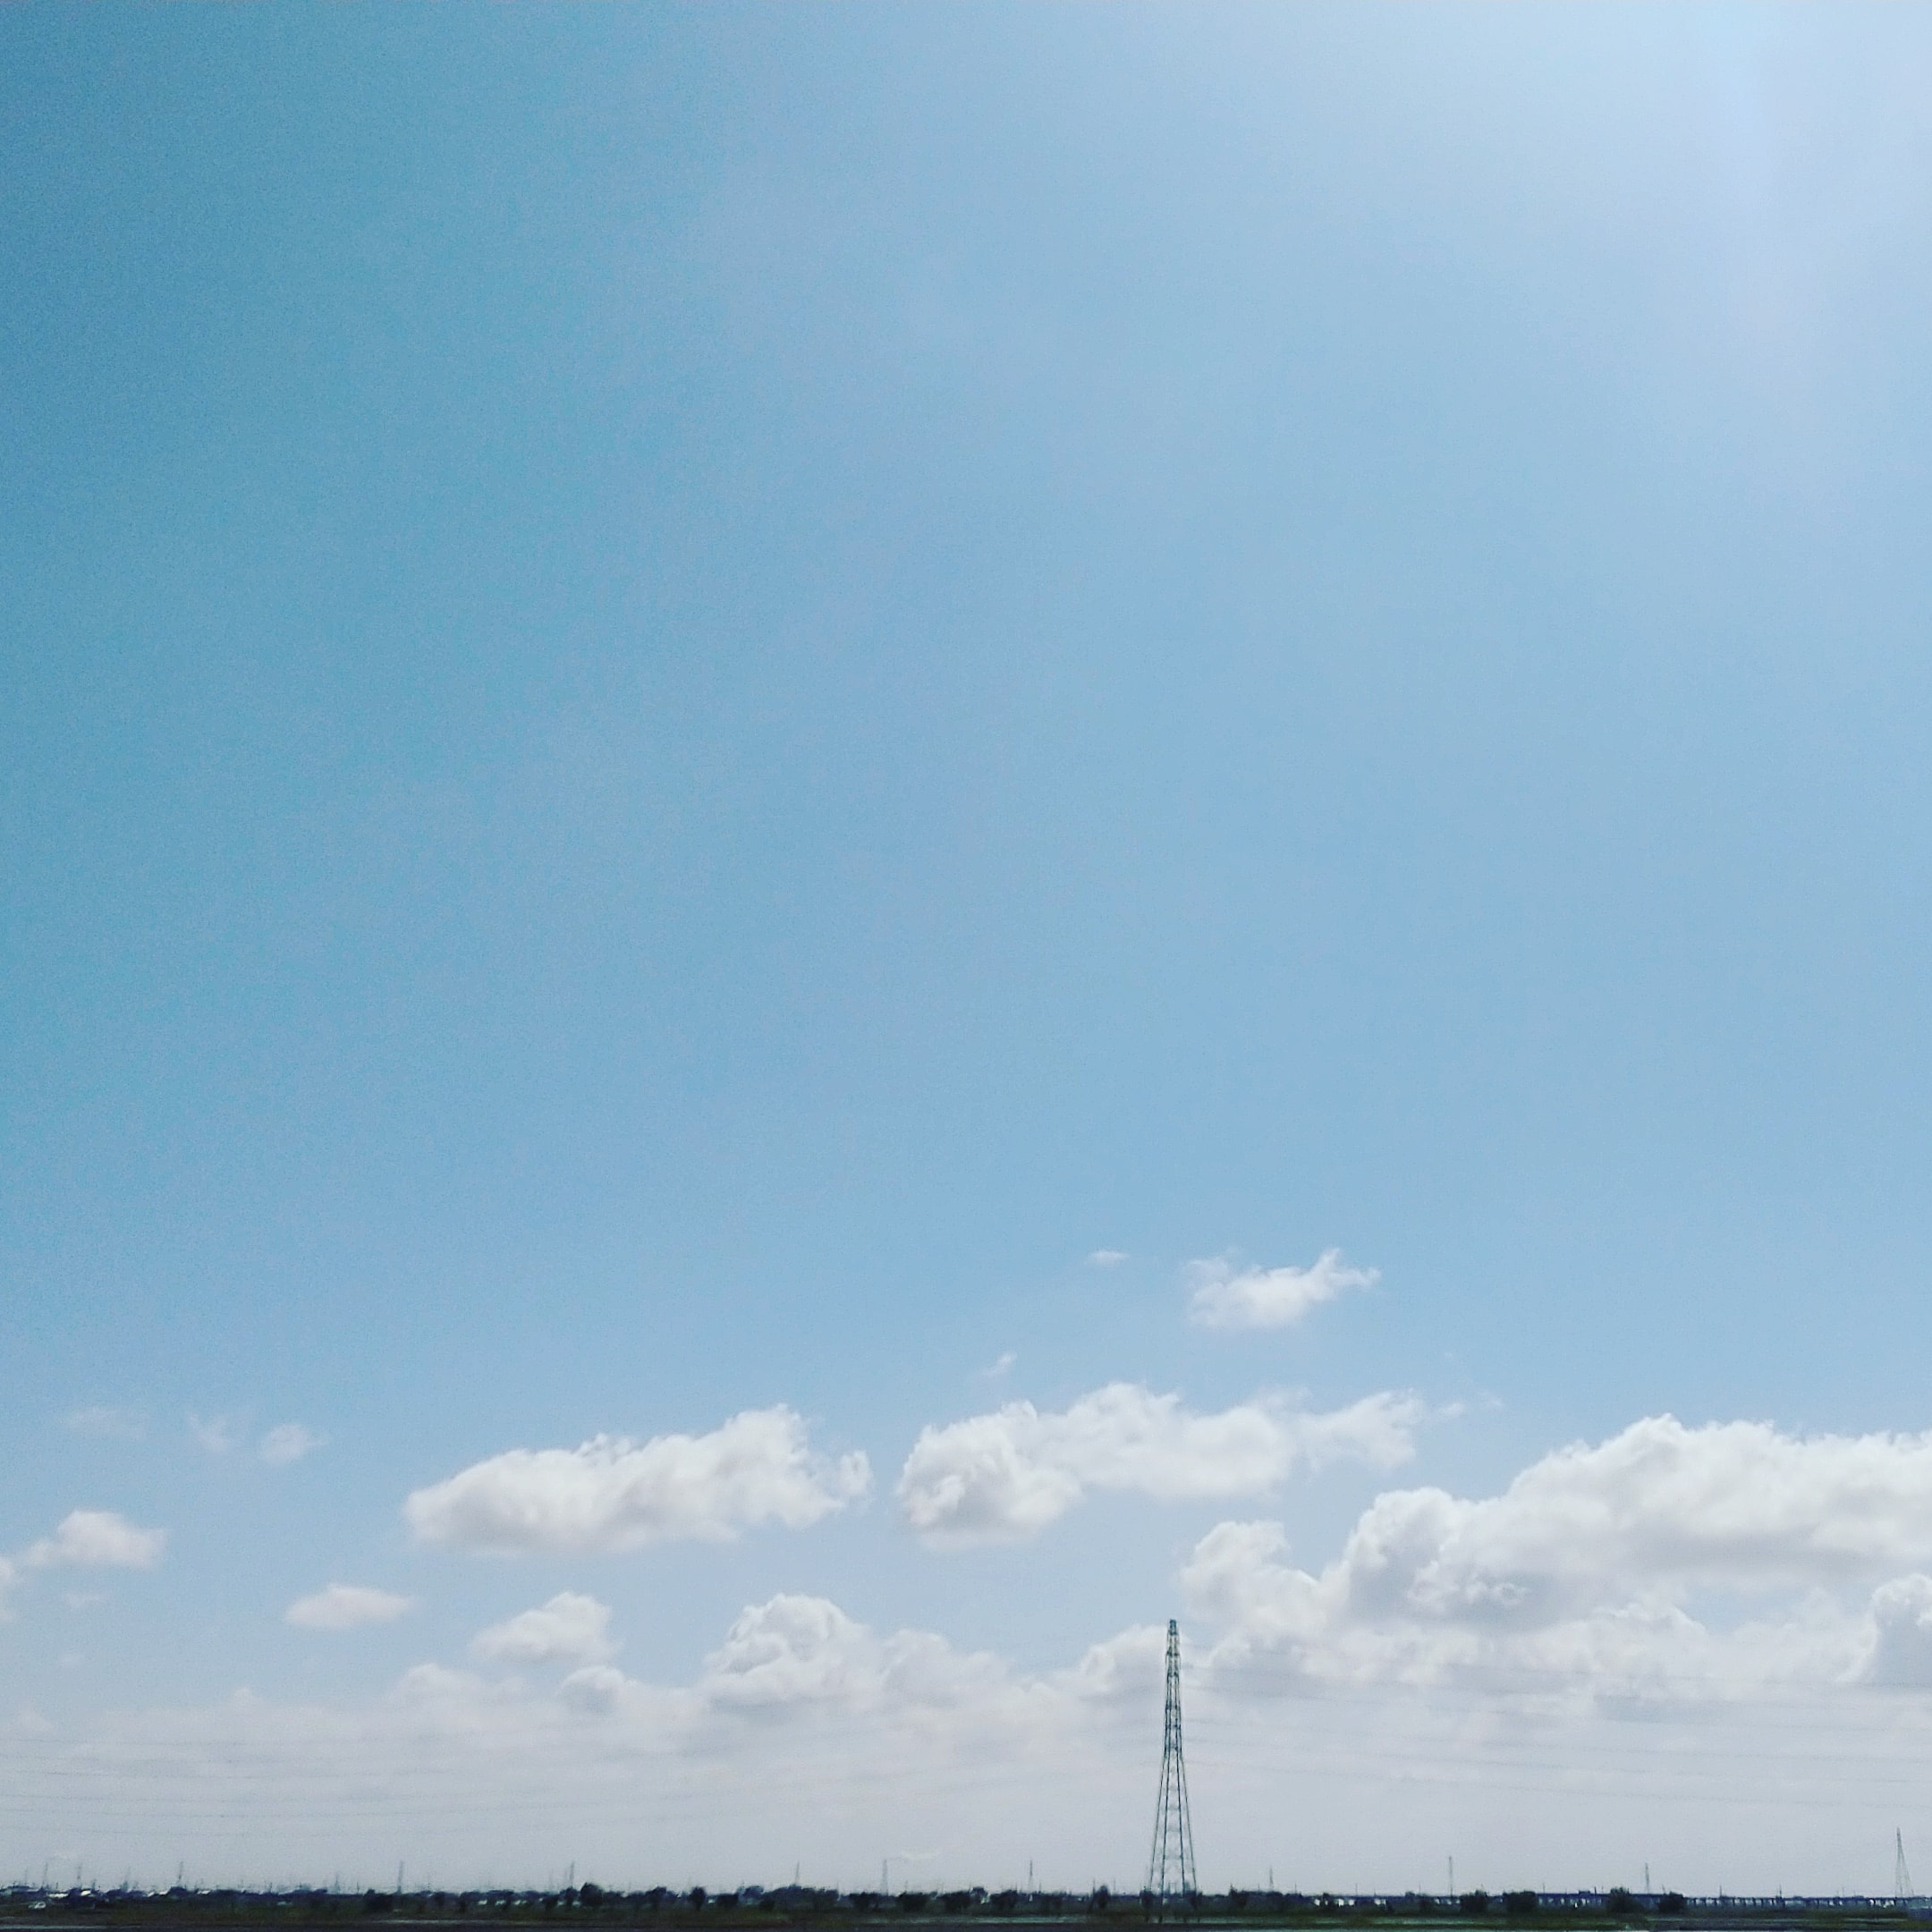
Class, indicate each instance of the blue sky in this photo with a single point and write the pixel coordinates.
(693, 696)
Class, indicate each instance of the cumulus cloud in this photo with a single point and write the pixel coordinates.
(788, 1649)
(1227, 1297)
(95, 1540)
(1775, 1648)
(570, 1629)
(287, 1442)
(596, 1689)
(1006, 1475)
(800, 1658)
(1591, 1564)
(1736, 1505)
(805, 1651)
(1901, 1652)
(614, 1494)
(346, 1606)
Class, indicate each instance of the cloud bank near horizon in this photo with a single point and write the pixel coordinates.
(1735, 1587)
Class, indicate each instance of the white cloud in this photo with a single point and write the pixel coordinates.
(570, 1629)
(787, 1649)
(596, 1687)
(1006, 1475)
(215, 1434)
(807, 1724)
(85, 1539)
(346, 1606)
(1287, 1630)
(1107, 1257)
(288, 1441)
(96, 1539)
(1722, 1731)
(1900, 1649)
(804, 1723)
(1227, 1297)
(805, 1651)
(1587, 1570)
(614, 1494)
(127, 1425)
(1736, 1504)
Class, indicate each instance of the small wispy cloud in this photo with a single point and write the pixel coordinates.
(288, 1441)
(215, 1434)
(1227, 1297)
(1107, 1257)
(126, 1424)
(342, 1606)
(1003, 1367)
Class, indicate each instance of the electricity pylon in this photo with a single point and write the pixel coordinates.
(1901, 1877)
(1171, 1863)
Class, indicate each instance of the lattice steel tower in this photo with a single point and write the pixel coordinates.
(1171, 1864)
